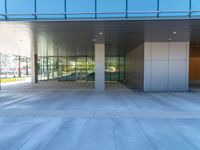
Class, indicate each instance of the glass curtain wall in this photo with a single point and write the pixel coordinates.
(97, 9)
(68, 67)
(114, 68)
(114, 65)
(74, 66)
(14, 68)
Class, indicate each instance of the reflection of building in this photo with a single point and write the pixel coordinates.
(144, 43)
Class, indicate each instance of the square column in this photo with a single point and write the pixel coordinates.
(34, 66)
(100, 67)
(34, 73)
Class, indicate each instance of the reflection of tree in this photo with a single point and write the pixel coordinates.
(13, 65)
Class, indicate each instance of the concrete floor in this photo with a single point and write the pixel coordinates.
(35, 117)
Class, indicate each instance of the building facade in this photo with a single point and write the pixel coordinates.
(149, 45)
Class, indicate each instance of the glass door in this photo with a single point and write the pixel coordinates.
(81, 69)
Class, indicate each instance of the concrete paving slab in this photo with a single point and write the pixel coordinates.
(74, 119)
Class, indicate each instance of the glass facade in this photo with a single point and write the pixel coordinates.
(83, 6)
(54, 10)
(24, 8)
(66, 68)
(106, 7)
(78, 68)
(14, 68)
(174, 5)
(142, 5)
(97, 9)
(114, 68)
(195, 5)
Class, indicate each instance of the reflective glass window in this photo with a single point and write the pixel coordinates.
(122, 70)
(80, 6)
(142, 5)
(62, 60)
(20, 7)
(174, 5)
(196, 6)
(106, 6)
(51, 7)
(80, 52)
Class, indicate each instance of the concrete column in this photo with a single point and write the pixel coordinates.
(100, 66)
(34, 67)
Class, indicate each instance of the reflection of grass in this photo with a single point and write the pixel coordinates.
(8, 80)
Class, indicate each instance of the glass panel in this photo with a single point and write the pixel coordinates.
(90, 52)
(14, 69)
(80, 6)
(20, 7)
(174, 5)
(121, 60)
(42, 69)
(71, 52)
(81, 61)
(61, 51)
(122, 78)
(76, 68)
(67, 73)
(113, 70)
(62, 73)
(81, 52)
(115, 74)
(111, 6)
(142, 5)
(90, 69)
(196, 6)
(71, 61)
(51, 7)
(2, 8)
(62, 61)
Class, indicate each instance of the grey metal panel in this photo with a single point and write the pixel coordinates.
(177, 75)
(178, 50)
(135, 68)
(159, 50)
(159, 80)
(167, 67)
(147, 75)
(147, 52)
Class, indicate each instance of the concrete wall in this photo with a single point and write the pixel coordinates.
(134, 68)
(166, 66)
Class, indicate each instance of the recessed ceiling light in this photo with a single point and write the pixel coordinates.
(100, 33)
(174, 32)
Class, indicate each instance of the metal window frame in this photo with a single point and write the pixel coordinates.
(96, 13)
(189, 12)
